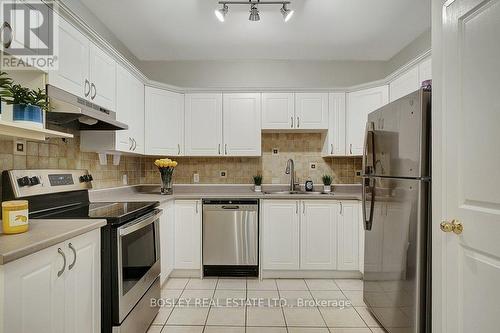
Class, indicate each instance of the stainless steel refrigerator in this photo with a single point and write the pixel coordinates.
(396, 212)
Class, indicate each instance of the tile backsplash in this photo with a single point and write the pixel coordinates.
(304, 148)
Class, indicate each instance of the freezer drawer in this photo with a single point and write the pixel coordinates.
(230, 233)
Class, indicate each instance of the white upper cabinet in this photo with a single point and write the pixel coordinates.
(318, 235)
(72, 74)
(102, 74)
(203, 128)
(311, 110)
(278, 111)
(348, 236)
(359, 105)
(425, 70)
(280, 234)
(164, 121)
(242, 124)
(136, 125)
(335, 143)
(404, 84)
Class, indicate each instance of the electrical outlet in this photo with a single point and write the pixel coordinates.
(276, 151)
(124, 179)
(313, 166)
(223, 173)
(196, 178)
(20, 147)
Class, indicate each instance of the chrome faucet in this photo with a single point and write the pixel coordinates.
(290, 170)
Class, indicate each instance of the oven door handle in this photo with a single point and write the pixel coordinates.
(130, 228)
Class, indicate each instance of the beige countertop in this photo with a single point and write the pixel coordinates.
(196, 192)
(43, 234)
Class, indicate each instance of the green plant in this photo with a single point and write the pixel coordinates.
(327, 180)
(17, 94)
(5, 81)
(257, 180)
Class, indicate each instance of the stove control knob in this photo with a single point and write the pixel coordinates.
(34, 180)
(23, 181)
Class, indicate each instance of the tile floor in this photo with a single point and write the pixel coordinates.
(244, 314)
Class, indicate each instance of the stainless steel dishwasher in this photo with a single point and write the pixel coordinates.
(230, 237)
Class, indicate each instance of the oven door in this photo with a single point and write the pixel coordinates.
(138, 259)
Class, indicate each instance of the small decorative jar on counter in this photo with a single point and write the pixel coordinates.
(15, 216)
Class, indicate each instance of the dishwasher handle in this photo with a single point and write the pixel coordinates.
(231, 207)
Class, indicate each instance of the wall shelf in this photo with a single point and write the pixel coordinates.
(13, 130)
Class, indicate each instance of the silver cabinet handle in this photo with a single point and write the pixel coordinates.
(291, 125)
(74, 255)
(298, 122)
(332, 149)
(196, 207)
(130, 141)
(95, 91)
(64, 262)
(219, 148)
(87, 84)
(225, 148)
(296, 207)
(341, 209)
(135, 144)
(178, 149)
(350, 148)
(303, 208)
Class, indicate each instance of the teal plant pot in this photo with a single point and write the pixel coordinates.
(27, 114)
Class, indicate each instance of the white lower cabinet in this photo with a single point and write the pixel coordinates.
(167, 229)
(280, 234)
(310, 235)
(45, 293)
(187, 232)
(318, 234)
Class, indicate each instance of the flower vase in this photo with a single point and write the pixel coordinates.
(166, 180)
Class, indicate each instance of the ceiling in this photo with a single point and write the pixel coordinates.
(319, 30)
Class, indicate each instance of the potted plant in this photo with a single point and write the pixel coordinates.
(257, 180)
(327, 183)
(5, 82)
(166, 167)
(27, 104)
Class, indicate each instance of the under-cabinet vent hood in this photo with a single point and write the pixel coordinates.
(72, 111)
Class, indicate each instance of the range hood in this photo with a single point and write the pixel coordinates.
(72, 111)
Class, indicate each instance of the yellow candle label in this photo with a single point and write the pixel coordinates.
(18, 217)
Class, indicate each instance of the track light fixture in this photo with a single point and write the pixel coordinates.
(254, 10)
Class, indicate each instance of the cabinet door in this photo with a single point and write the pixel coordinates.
(124, 108)
(335, 145)
(82, 283)
(242, 124)
(425, 70)
(137, 115)
(187, 234)
(348, 236)
(280, 234)
(167, 230)
(33, 299)
(404, 84)
(318, 235)
(164, 120)
(102, 78)
(278, 111)
(203, 128)
(72, 74)
(311, 111)
(359, 105)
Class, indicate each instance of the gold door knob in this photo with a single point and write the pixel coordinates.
(453, 226)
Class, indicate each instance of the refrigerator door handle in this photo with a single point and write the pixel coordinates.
(369, 141)
(367, 222)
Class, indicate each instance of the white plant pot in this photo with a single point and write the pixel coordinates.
(258, 188)
(327, 188)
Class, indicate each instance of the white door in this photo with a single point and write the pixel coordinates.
(187, 233)
(311, 111)
(280, 234)
(164, 121)
(348, 236)
(278, 111)
(137, 115)
(318, 234)
(102, 74)
(359, 105)
(72, 74)
(404, 84)
(203, 127)
(167, 230)
(242, 124)
(35, 293)
(82, 283)
(335, 145)
(124, 108)
(468, 172)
